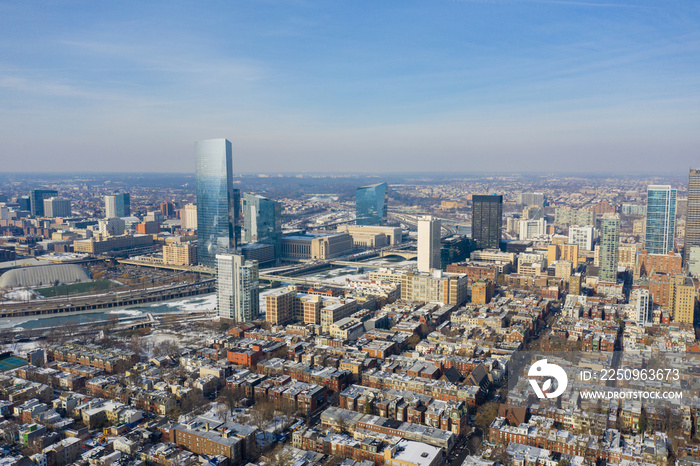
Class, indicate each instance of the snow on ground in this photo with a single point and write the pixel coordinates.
(127, 312)
(22, 295)
(198, 303)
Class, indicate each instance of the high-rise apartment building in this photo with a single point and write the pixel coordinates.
(117, 205)
(531, 229)
(565, 215)
(428, 244)
(487, 220)
(692, 216)
(57, 207)
(216, 207)
(371, 204)
(36, 200)
(661, 219)
(188, 217)
(609, 243)
(237, 288)
(262, 219)
(581, 236)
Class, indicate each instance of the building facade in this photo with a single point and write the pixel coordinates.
(237, 288)
(262, 219)
(487, 220)
(36, 200)
(371, 204)
(692, 216)
(117, 205)
(215, 200)
(428, 244)
(609, 243)
(57, 207)
(661, 219)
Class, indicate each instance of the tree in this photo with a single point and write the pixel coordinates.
(230, 396)
(223, 412)
(261, 414)
(368, 408)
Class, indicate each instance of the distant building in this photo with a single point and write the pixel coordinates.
(692, 218)
(117, 205)
(57, 207)
(567, 216)
(582, 236)
(167, 209)
(428, 244)
(188, 217)
(661, 219)
(180, 254)
(487, 220)
(534, 199)
(531, 229)
(609, 243)
(113, 226)
(215, 200)
(113, 243)
(237, 288)
(371, 236)
(371, 204)
(316, 245)
(36, 199)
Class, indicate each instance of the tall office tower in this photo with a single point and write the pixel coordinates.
(428, 244)
(117, 205)
(487, 220)
(57, 207)
(36, 200)
(371, 204)
(215, 200)
(188, 217)
(262, 219)
(609, 243)
(237, 288)
(692, 216)
(661, 219)
(581, 236)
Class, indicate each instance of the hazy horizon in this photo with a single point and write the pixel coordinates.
(307, 86)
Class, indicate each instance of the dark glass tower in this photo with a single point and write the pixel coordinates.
(661, 219)
(487, 220)
(216, 207)
(371, 204)
(36, 200)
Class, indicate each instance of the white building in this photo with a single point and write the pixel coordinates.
(57, 207)
(188, 217)
(111, 226)
(428, 244)
(531, 229)
(237, 288)
(642, 305)
(582, 236)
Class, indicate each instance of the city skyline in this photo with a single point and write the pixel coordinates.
(412, 87)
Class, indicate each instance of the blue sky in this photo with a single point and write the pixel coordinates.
(504, 85)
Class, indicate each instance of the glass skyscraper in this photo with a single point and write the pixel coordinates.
(117, 205)
(661, 219)
(371, 204)
(262, 219)
(216, 207)
(487, 220)
(36, 199)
